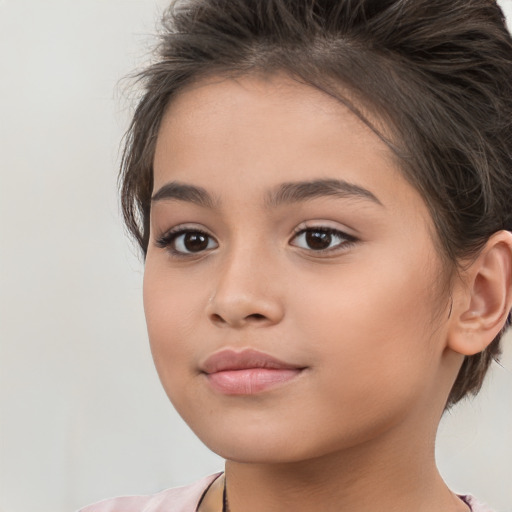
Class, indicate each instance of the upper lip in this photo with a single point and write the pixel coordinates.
(229, 359)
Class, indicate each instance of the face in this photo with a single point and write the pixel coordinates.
(290, 282)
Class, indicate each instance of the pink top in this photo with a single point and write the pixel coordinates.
(186, 499)
(178, 499)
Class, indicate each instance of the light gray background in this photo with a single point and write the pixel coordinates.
(82, 415)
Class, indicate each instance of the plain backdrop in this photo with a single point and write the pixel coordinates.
(82, 414)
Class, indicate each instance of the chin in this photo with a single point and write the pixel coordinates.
(273, 444)
(256, 444)
(250, 453)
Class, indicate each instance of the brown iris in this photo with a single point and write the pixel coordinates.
(195, 242)
(318, 240)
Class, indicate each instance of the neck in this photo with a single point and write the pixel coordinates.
(396, 476)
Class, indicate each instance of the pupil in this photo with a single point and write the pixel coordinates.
(318, 239)
(195, 242)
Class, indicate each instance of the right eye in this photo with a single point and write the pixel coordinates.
(186, 241)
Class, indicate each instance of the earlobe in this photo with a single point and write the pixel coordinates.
(483, 298)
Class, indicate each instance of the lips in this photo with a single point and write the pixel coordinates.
(247, 372)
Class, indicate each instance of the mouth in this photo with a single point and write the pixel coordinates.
(247, 372)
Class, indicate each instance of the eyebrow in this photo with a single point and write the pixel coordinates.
(286, 193)
(183, 192)
(295, 192)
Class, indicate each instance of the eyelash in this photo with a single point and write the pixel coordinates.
(168, 239)
(346, 239)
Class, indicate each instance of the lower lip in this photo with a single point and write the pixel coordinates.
(251, 380)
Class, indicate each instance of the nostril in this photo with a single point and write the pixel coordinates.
(256, 316)
(217, 318)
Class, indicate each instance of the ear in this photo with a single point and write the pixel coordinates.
(482, 298)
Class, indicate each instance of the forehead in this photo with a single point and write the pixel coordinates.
(262, 98)
(255, 132)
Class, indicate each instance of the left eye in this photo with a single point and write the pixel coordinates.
(187, 241)
(192, 242)
(321, 239)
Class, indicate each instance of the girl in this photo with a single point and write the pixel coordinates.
(321, 190)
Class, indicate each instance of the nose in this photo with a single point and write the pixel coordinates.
(246, 293)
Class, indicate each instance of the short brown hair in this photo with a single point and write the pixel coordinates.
(438, 72)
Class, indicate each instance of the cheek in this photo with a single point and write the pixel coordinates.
(373, 325)
(172, 323)
(171, 314)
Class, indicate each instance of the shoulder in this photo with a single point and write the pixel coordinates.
(182, 499)
(474, 504)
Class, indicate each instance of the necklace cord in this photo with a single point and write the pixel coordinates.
(225, 506)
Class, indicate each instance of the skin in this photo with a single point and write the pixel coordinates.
(368, 319)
